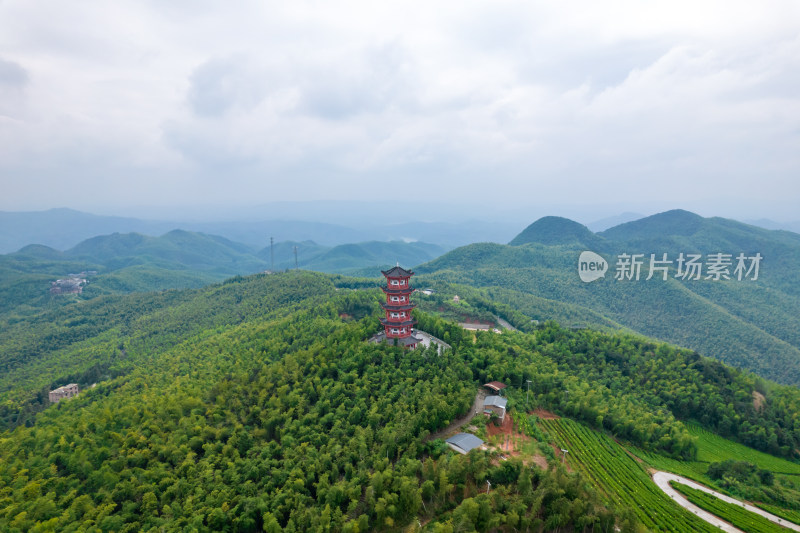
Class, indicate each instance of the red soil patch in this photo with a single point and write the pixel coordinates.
(544, 415)
(510, 440)
(506, 428)
(540, 461)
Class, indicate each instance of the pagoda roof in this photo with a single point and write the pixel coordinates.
(398, 306)
(386, 322)
(410, 340)
(397, 272)
(404, 290)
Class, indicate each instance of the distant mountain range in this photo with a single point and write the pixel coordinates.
(128, 262)
(64, 228)
(753, 324)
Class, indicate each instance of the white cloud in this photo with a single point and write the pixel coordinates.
(201, 101)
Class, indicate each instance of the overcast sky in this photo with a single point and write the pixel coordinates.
(113, 106)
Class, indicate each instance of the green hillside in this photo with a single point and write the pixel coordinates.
(557, 230)
(748, 324)
(257, 404)
(176, 250)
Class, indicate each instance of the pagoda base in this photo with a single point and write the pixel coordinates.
(409, 342)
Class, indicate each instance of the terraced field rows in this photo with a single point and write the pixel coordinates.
(792, 516)
(624, 481)
(733, 514)
(713, 448)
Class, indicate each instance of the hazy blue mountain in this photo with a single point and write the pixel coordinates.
(64, 228)
(40, 251)
(557, 230)
(674, 222)
(258, 232)
(283, 253)
(448, 234)
(347, 258)
(130, 262)
(616, 220)
(176, 250)
(766, 223)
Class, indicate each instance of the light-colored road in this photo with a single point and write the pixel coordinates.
(662, 479)
(477, 405)
(504, 324)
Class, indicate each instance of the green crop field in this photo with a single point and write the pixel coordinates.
(691, 469)
(622, 479)
(713, 448)
(737, 516)
(792, 516)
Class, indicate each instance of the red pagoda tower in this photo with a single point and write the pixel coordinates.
(398, 322)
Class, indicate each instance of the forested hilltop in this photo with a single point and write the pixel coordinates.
(257, 404)
(748, 323)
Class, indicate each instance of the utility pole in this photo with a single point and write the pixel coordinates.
(271, 254)
(528, 392)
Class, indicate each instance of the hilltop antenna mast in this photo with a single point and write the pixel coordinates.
(271, 255)
(295, 257)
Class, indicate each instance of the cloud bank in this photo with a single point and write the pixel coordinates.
(153, 103)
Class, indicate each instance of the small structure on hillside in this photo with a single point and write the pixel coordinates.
(496, 405)
(464, 442)
(67, 391)
(495, 387)
(398, 321)
(71, 285)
